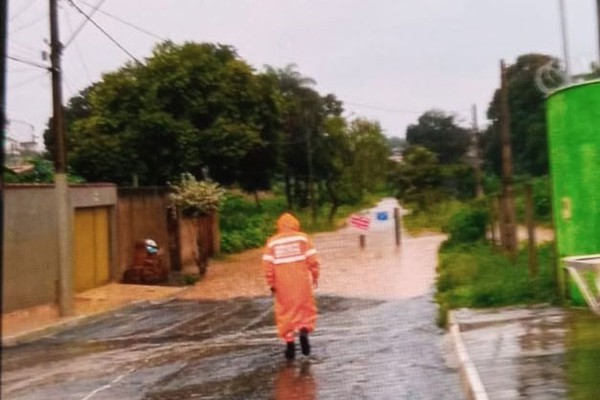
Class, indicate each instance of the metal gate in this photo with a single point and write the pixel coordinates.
(91, 265)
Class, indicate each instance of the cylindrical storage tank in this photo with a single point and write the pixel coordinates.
(574, 144)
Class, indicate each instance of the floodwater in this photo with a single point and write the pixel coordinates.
(538, 353)
(362, 349)
(375, 339)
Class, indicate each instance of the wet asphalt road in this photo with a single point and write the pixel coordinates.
(376, 336)
(362, 349)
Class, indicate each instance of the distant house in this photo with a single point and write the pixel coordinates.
(396, 156)
(16, 154)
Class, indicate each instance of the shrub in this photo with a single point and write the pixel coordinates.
(195, 198)
(468, 225)
(474, 275)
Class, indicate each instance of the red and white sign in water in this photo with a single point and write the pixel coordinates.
(360, 221)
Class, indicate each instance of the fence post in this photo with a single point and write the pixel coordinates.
(533, 261)
(362, 240)
(397, 225)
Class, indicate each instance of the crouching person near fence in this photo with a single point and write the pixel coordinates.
(292, 271)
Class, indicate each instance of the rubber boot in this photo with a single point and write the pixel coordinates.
(290, 350)
(304, 343)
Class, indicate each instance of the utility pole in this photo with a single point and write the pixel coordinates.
(565, 40)
(3, 40)
(61, 186)
(477, 162)
(507, 209)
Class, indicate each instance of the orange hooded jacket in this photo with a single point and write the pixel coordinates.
(292, 268)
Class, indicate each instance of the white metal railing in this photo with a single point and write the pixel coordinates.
(577, 265)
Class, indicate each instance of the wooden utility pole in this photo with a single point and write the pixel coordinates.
(477, 155)
(61, 186)
(507, 209)
(529, 213)
(3, 40)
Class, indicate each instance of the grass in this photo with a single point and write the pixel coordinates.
(244, 225)
(432, 219)
(477, 276)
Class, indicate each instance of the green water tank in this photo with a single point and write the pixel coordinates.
(574, 143)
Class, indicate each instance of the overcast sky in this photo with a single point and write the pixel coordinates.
(388, 60)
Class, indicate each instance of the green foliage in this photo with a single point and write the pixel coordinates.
(528, 119)
(439, 133)
(42, 172)
(190, 107)
(195, 198)
(190, 279)
(422, 181)
(244, 225)
(474, 275)
(432, 218)
(468, 225)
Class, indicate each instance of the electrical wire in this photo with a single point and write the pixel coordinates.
(386, 109)
(28, 62)
(77, 49)
(82, 25)
(27, 81)
(29, 24)
(131, 25)
(22, 10)
(396, 110)
(104, 32)
(21, 45)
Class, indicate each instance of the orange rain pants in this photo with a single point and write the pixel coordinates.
(292, 268)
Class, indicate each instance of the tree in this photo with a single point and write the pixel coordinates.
(419, 177)
(303, 111)
(191, 107)
(438, 132)
(370, 155)
(528, 119)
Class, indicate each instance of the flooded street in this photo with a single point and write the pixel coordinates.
(375, 339)
(228, 350)
(538, 353)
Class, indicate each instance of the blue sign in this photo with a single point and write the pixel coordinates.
(382, 216)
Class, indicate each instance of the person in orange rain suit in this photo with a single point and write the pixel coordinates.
(292, 271)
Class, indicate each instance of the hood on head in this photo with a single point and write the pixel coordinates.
(287, 222)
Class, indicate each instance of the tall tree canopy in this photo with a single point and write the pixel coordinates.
(439, 133)
(190, 107)
(528, 119)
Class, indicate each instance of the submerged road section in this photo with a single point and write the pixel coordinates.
(375, 339)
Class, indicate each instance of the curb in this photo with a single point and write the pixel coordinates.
(470, 377)
(73, 322)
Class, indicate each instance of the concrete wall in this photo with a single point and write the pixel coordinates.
(30, 247)
(30, 240)
(142, 214)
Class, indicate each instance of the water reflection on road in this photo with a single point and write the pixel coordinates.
(376, 336)
(208, 350)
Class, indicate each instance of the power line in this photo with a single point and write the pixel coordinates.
(30, 24)
(23, 47)
(387, 109)
(104, 32)
(32, 63)
(22, 10)
(77, 50)
(395, 110)
(27, 81)
(80, 27)
(131, 25)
